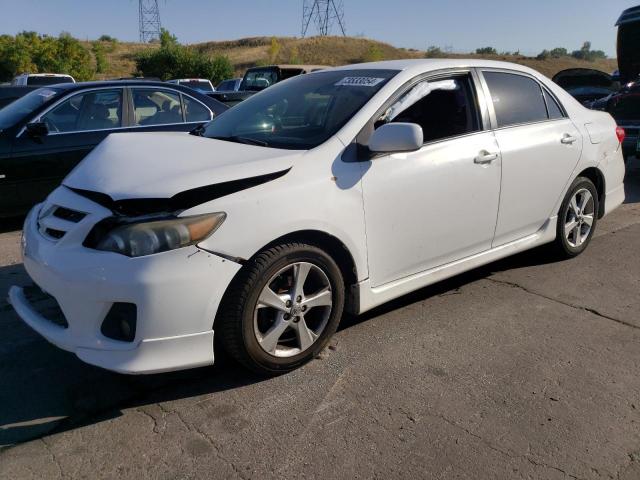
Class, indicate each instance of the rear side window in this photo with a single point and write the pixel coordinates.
(156, 107)
(552, 106)
(195, 111)
(516, 99)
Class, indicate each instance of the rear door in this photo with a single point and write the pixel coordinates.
(76, 125)
(540, 148)
(156, 109)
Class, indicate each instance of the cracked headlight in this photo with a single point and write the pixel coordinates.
(147, 237)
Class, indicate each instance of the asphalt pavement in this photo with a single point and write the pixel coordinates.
(527, 368)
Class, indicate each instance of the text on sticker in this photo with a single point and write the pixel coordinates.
(359, 82)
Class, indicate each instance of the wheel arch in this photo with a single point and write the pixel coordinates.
(332, 245)
(597, 177)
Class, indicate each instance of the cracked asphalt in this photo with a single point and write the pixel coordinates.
(528, 368)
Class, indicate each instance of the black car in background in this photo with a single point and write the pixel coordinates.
(45, 133)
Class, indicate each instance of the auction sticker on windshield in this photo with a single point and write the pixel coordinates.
(359, 82)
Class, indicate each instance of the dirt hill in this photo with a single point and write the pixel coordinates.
(248, 52)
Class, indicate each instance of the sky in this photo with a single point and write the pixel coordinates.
(462, 25)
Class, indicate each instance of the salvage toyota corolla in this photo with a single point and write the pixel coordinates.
(337, 190)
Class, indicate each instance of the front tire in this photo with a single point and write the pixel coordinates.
(282, 309)
(577, 218)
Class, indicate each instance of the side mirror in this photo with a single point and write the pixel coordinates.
(396, 138)
(37, 130)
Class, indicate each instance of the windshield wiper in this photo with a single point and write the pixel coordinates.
(245, 140)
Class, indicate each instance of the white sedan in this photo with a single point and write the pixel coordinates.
(338, 190)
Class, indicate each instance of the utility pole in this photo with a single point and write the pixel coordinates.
(324, 14)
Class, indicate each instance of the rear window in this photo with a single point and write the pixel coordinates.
(48, 80)
(516, 99)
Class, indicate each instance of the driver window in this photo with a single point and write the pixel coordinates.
(96, 110)
(444, 108)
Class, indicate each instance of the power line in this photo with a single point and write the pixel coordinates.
(324, 14)
(149, 19)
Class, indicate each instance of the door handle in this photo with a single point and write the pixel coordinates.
(568, 139)
(485, 157)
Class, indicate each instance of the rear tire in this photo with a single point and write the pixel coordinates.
(577, 218)
(282, 309)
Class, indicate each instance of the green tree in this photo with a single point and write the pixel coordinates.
(167, 40)
(177, 61)
(33, 53)
(486, 51)
(434, 52)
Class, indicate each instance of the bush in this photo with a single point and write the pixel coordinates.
(434, 52)
(173, 60)
(101, 59)
(486, 51)
(107, 38)
(33, 53)
(585, 53)
(373, 54)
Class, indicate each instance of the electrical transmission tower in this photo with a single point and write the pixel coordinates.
(324, 14)
(149, 20)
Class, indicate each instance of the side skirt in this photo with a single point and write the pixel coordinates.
(368, 297)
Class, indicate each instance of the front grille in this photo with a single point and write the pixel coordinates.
(68, 214)
(45, 305)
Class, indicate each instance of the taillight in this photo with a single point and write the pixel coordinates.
(620, 133)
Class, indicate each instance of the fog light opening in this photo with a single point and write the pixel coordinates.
(120, 322)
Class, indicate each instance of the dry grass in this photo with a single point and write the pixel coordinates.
(248, 52)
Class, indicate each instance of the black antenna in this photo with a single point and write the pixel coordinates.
(324, 14)
(149, 20)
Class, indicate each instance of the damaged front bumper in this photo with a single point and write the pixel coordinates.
(176, 295)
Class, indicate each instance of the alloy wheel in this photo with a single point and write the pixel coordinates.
(293, 309)
(579, 218)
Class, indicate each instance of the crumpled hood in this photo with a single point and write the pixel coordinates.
(162, 165)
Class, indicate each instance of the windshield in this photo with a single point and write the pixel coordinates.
(302, 112)
(52, 80)
(16, 111)
(203, 85)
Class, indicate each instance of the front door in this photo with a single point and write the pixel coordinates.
(76, 126)
(438, 204)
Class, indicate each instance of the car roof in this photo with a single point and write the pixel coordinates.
(423, 65)
(119, 83)
(44, 75)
